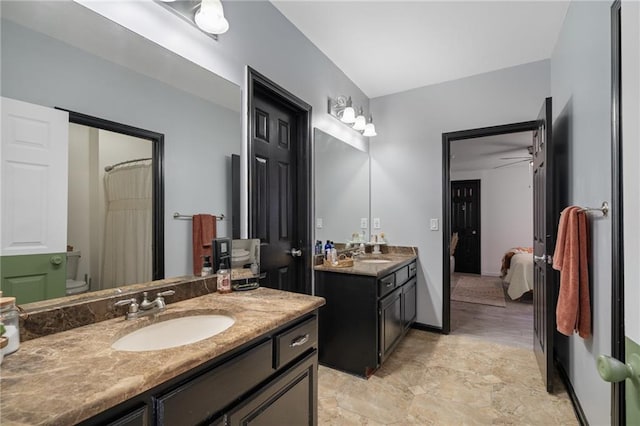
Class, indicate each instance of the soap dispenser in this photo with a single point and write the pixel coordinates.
(224, 279)
(206, 267)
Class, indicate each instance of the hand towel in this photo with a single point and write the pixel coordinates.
(573, 312)
(203, 232)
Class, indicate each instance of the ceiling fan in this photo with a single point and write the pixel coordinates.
(518, 159)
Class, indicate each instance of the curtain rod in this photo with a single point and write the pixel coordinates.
(109, 168)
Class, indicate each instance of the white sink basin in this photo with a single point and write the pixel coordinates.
(375, 261)
(173, 332)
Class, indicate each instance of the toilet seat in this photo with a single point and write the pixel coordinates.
(76, 287)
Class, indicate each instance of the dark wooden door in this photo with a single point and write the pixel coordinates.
(279, 184)
(465, 220)
(274, 203)
(545, 216)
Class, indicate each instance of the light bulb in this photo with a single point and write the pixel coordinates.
(348, 114)
(210, 17)
(370, 129)
(360, 122)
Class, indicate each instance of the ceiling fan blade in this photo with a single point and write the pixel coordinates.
(511, 163)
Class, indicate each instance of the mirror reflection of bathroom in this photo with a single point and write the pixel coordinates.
(341, 190)
(245, 258)
(109, 232)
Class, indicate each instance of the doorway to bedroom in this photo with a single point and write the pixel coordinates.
(491, 224)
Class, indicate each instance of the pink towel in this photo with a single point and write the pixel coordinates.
(204, 230)
(573, 311)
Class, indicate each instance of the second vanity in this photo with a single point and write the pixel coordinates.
(369, 308)
(262, 368)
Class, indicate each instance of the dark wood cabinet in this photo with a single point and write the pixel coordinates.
(291, 399)
(409, 302)
(391, 323)
(271, 380)
(364, 317)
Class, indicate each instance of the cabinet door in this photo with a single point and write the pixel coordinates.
(409, 299)
(390, 321)
(291, 399)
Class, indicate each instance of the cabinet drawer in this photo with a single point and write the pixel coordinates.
(291, 343)
(402, 275)
(202, 397)
(386, 284)
(413, 269)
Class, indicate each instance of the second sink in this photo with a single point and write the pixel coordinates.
(173, 332)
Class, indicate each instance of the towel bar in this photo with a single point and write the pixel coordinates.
(604, 209)
(177, 215)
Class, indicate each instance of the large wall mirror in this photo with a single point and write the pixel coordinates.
(61, 54)
(341, 189)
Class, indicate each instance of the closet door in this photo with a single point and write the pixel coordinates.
(33, 200)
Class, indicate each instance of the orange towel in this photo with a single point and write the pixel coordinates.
(573, 311)
(204, 230)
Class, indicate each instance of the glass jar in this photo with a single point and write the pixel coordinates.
(10, 316)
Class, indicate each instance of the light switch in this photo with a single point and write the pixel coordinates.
(364, 223)
(376, 223)
(434, 224)
(319, 222)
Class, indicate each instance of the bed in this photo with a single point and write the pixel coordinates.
(517, 271)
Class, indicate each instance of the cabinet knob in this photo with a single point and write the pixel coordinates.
(56, 260)
(612, 370)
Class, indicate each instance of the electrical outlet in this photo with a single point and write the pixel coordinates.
(319, 223)
(434, 225)
(364, 223)
(376, 223)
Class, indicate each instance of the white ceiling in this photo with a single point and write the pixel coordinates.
(387, 47)
(489, 152)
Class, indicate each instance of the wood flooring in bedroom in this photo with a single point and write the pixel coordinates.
(512, 325)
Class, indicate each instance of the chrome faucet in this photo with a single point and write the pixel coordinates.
(145, 307)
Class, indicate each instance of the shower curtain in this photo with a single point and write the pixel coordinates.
(128, 227)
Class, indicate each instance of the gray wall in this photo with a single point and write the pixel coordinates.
(406, 157)
(200, 136)
(581, 90)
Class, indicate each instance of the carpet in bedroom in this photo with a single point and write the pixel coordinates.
(477, 289)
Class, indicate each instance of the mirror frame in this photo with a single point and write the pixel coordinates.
(157, 154)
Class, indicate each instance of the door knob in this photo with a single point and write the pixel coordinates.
(543, 258)
(473, 232)
(612, 370)
(55, 260)
(295, 252)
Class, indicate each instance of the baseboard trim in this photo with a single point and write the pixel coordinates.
(577, 408)
(427, 327)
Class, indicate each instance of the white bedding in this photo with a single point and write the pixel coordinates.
(520, 275)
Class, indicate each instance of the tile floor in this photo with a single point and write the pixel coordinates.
(445, 380)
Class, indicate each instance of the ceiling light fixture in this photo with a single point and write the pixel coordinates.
(210, 17)
(341, 107)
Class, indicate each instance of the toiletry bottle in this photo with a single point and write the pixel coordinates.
(224, 279)
(327, 250)
(206, 267)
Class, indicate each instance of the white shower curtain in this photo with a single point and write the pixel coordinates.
(128, 227)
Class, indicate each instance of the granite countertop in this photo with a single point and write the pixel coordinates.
(396, 260)
(70, 376)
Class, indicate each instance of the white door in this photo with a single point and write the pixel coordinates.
(33, 201)
(33, 164)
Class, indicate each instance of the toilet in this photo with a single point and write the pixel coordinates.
(74, 286)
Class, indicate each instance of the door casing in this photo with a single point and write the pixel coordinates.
(447, 138)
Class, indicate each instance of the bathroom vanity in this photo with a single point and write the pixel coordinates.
(369, 308)
(262, 368)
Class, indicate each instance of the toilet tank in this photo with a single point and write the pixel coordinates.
(73, 260)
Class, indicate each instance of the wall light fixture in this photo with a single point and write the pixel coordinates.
(207, 15)
(342, 108)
